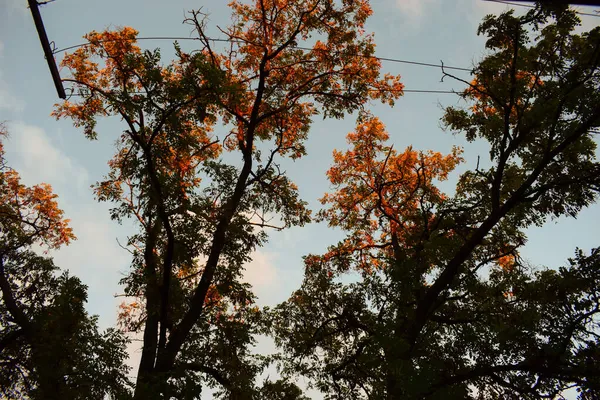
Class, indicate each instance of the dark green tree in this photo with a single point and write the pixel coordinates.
(50, 348)
(199, 214)
(281, 390)
(444, 306)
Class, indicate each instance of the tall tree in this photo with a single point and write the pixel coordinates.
(199, 217)
(50, 348)
(444, 306)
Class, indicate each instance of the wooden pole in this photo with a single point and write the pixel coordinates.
(39, 25)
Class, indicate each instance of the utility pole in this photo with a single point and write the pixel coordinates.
(39, 25)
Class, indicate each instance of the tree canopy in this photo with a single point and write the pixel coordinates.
(445, 307)
(427, 295)
(198, 214)
(50, 348)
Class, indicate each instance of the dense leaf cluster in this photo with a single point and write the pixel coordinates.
(440, 304)
(445, 307)
(50, 348)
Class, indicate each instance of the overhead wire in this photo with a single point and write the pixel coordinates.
(387, 59)
(510, 3)
(252, 90)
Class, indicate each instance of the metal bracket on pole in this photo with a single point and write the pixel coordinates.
(39, 25)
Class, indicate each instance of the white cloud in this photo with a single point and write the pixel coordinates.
(414, 8)
(1, 48)
(8, 101)
(95, 257)
(38, 160)
(419, 12)
(261, 272)
(265, 278)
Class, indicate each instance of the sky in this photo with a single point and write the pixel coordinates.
(42, 149)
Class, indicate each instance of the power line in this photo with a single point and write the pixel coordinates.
(430, 91)
(58, 82)
(394, 60)
(510, 3)
(76, 46)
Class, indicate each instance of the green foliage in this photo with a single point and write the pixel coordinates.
(50, 348)
(445, 307)
(62, 355)
(200, 216)
(281, 390)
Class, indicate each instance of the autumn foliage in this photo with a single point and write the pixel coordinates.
(444, 305)
(29, 215)
(426, 296)
(382, 196)
(45, 332)
(286, 62)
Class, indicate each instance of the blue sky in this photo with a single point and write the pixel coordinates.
(44, 150)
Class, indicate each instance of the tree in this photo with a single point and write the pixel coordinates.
(200, 217)
(50, 348)
(443, 306)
